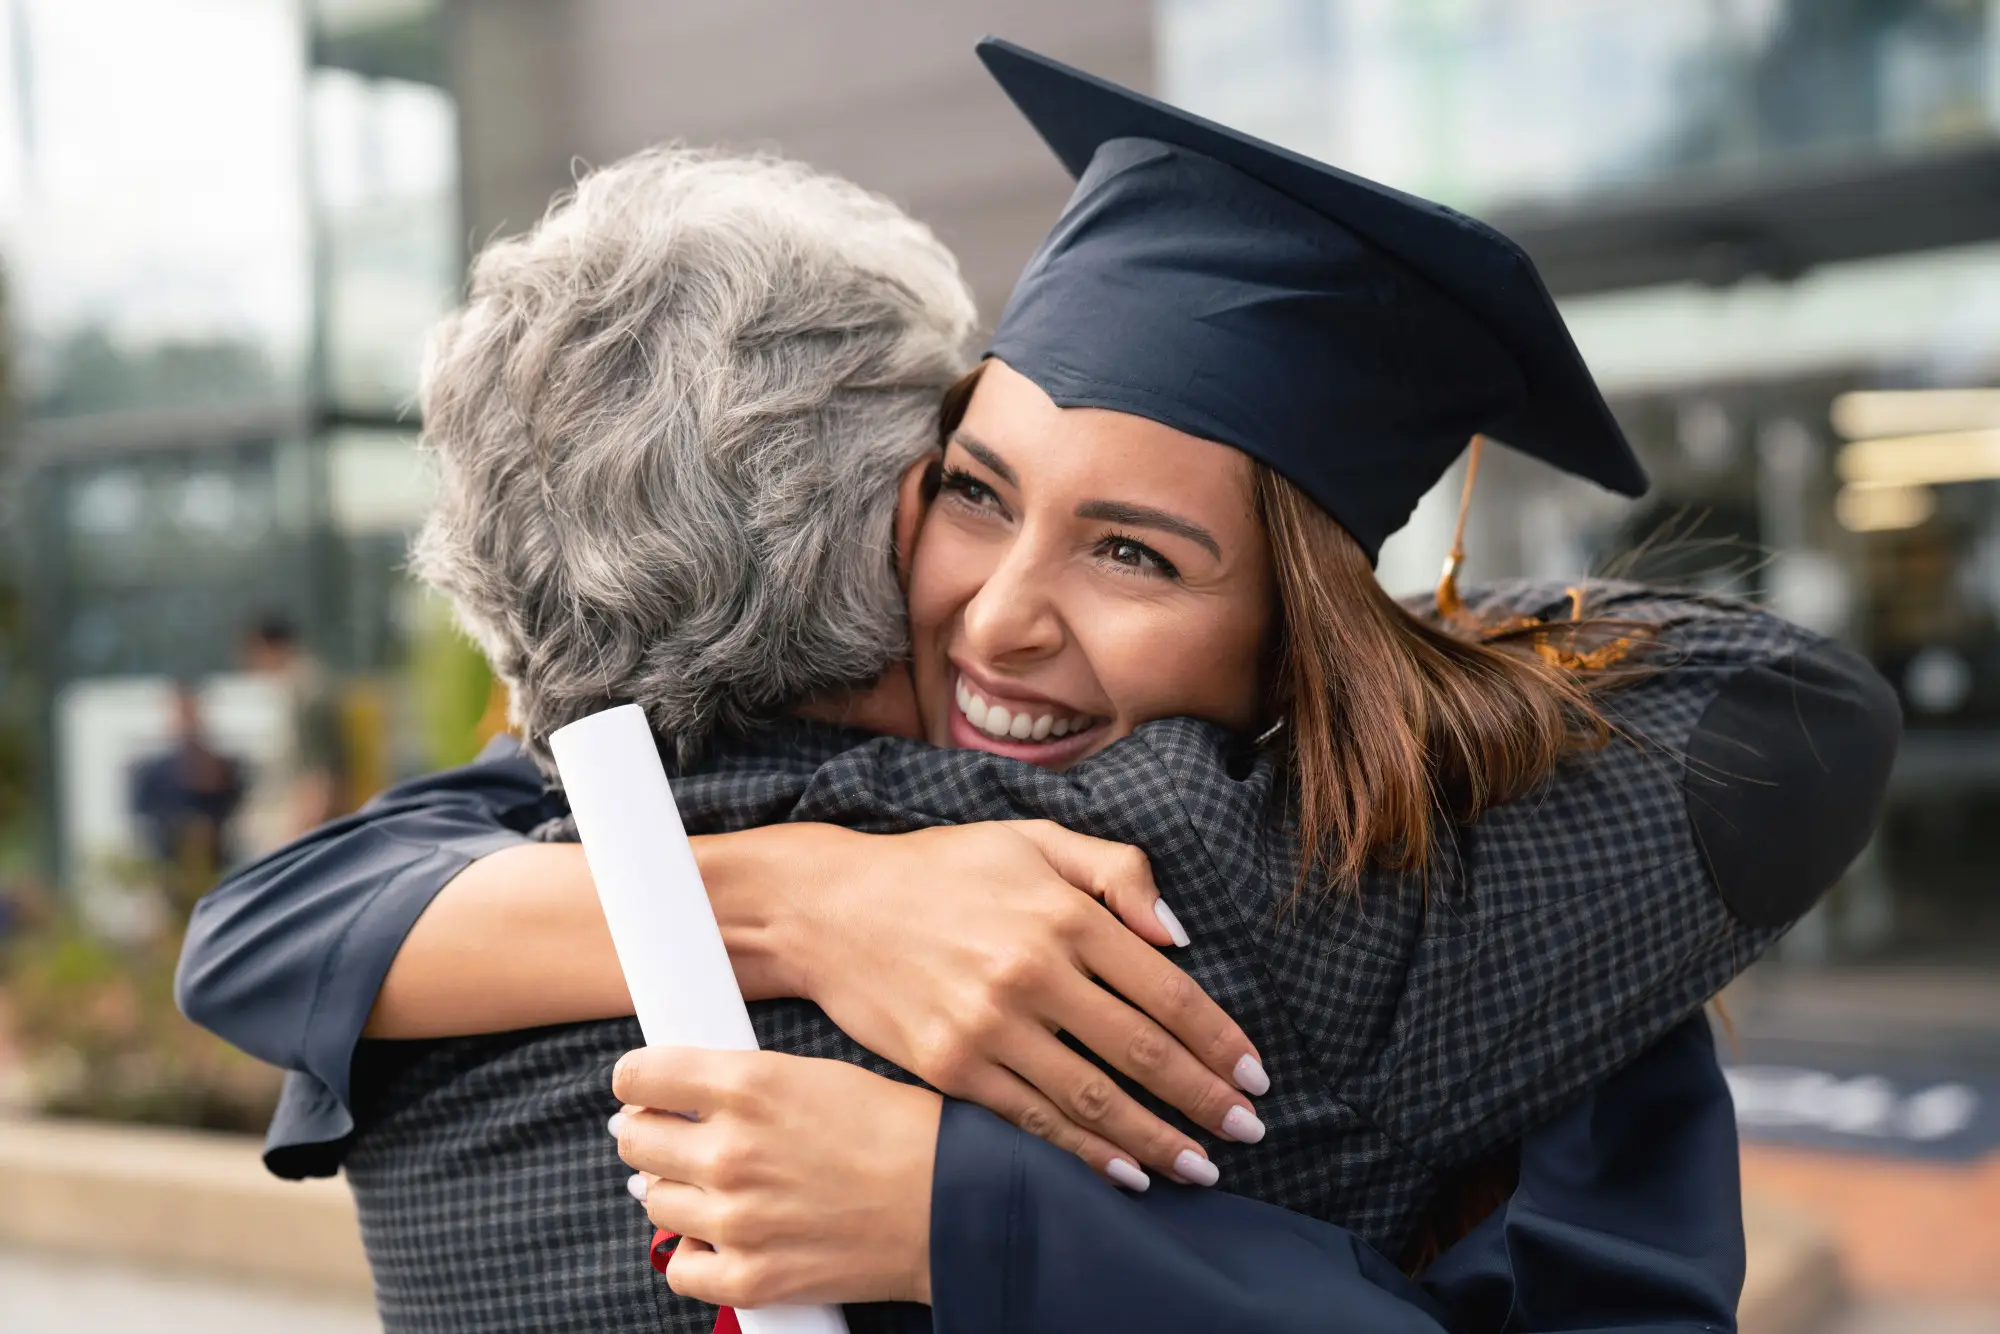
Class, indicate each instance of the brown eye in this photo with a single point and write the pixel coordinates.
(968, 488)
(1128, 554)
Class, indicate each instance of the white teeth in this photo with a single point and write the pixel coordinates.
(997, 720)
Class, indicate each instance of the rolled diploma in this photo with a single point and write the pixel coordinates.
(662, 926)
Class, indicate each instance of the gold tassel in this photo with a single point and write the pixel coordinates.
(1451, 605)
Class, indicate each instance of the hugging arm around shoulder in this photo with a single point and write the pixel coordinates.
(285, 957)
(1628, 1216)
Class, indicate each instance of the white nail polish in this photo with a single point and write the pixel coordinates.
(1171, 922)
(635, 1186)
(1127, 1174)
(1242, 1125)
(616, 1125)
(1194, 1169)
(1250, 1077)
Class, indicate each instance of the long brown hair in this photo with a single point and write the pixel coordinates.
(1396, 722)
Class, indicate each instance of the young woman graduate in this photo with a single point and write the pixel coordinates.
(1350, 342)
(1203, 295)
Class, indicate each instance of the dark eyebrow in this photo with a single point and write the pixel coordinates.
(986, 456)
(1145, 516)
(1110, 511)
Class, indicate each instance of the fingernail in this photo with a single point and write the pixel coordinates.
(1171, 922)
(1242, 1125)
(635, 1186)
(1194, 1169)
(1250, 1077)
(616, 1125)
(1127, 1174)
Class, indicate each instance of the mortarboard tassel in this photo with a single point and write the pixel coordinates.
(1451, 605)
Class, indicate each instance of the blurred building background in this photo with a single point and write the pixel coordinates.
(1774, 226)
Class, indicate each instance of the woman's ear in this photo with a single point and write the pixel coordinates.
(914, 494)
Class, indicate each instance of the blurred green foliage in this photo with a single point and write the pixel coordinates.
(89, 1014)
(453, 686)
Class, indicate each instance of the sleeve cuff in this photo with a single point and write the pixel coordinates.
(357, 965)
(975, 1213)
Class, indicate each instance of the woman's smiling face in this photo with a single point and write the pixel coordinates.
(1082, 572)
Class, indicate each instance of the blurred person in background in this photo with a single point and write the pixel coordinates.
(1667, 1111)
(302, 785)
(186, 798)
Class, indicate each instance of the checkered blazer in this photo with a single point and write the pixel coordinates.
(1408, 1033)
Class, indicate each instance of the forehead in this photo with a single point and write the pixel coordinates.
(1114, 455)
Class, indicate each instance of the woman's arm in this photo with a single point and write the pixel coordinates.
(1628, 1215)
(965, 987)
(430, 914)
(517, 939)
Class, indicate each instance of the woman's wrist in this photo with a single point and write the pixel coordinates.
(768, 887)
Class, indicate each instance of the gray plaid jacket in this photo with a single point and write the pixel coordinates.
(1408, 1034)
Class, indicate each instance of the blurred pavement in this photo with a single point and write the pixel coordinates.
(45, 1294)
(1904, 1316)
(1870, 1100)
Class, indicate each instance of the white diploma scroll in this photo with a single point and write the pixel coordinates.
(662, 926)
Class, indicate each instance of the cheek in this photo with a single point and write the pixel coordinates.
(947, 571)
(1203, 661)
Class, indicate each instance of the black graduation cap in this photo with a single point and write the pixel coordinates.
(1351, 336)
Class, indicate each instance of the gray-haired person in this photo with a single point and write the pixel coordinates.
(737, 360)
(680, 427)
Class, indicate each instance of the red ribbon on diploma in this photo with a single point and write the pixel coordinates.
(662, 1251)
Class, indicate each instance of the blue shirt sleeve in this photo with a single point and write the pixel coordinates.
(1628, 1216)
(284, 957)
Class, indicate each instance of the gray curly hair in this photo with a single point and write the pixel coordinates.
(669, 423)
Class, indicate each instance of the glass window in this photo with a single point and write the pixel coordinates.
(386, 173)
(388, 39)
(1486, 103)
(161, 249)
(164, 557)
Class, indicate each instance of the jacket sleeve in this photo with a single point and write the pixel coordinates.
(1785, 776)
(1628, 1217)
(284, 957)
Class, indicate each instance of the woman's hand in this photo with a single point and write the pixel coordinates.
(804, 1180)
(961, 952)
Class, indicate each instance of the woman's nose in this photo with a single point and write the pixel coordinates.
(1011, 616)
